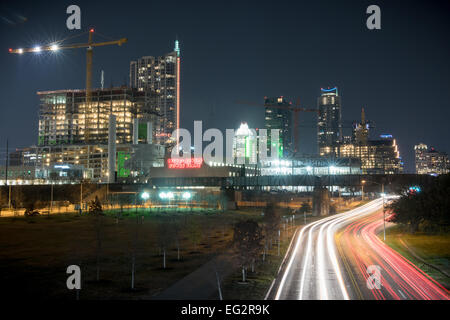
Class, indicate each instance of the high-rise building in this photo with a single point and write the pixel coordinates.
(377, 156)
(161, 75)
(329, 125)
(361, 130)
(65, 118)
(281, 119)
(430, 161)
(245, 146)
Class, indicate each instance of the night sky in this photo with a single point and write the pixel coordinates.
(245, 50)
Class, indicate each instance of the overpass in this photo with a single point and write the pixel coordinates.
(389, 181)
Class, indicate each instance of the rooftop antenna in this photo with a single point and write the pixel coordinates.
(102, 80)
(177, 46)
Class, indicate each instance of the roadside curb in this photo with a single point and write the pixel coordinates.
(288, 253)
(423, 261)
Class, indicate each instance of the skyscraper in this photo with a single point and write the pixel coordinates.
(281, 119)
(65, 119)
(361, 130)
(430, 161)
(161, 75)
(379, 156)
(245, 149)
(329, 125)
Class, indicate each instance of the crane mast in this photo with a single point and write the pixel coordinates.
(89, 54)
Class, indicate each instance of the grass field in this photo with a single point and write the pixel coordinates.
(35, 251)
(433, 249)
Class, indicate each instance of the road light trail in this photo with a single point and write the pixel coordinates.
(317, 270)
(313, 270)
(400, 279)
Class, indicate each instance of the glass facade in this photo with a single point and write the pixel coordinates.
(65, 117)
(430, 161)
(329, 124)
(160, 75)
(281, 119)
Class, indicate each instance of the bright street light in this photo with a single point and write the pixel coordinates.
(169, 195)
(54, 47)
(166, 195)
(145, 195)
(37, 49)
(187, 195)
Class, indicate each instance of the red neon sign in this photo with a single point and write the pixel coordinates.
(183, 163)
(163, 134)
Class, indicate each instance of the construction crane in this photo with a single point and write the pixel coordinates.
(295, 109)
(89, 53)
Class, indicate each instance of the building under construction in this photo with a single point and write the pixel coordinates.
(65, 118)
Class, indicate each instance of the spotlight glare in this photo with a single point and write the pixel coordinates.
(20, 50)
(37, 49)
(186, 195)
(54, 47)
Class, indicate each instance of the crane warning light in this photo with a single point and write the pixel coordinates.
(10, 50)
(92, 30)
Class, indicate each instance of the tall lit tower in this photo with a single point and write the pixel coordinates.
(281, 119)
(177, 50)
(329, 124)
(361, 130)
(161, 75)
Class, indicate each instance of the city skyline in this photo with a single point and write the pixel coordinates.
(224, 155)
(212, 76)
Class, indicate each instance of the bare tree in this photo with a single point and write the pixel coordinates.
(164, 236)
(247, 240)
(139, 222)
(194, 232)
(177, 234)
(95, 208)
(272, 219)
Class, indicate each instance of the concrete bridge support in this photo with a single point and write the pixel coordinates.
(321, 201)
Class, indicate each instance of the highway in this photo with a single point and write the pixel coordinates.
(329, 260)
(360, 247)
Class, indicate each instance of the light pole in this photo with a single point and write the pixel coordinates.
(186, 196)
(362, 189)
(384, 219)
(145, 196)
(51, 198)
(81, 196)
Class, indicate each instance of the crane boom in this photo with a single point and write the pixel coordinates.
(89, 53)
(72, 46)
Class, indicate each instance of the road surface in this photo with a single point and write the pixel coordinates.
(329, 260)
